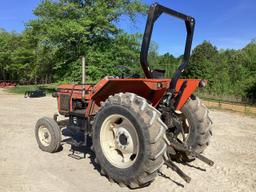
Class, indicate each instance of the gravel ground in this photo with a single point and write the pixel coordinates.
(24, 168)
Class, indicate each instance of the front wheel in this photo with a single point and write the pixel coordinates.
(48, 135)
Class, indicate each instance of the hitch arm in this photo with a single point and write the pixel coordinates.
(183, 148)
(200, 157)
(178, 171)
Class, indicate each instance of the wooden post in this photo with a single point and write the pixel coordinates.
(83, 76)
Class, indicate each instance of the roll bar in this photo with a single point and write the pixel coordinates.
(155, 11)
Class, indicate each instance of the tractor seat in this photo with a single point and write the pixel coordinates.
(158, 73)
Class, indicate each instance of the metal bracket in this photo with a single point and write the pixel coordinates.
(181, 148)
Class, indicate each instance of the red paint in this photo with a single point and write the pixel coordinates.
(7, 84)
(151, 89)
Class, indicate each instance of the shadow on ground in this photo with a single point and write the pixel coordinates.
(83, 149)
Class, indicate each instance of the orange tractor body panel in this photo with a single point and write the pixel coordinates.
(151, 89)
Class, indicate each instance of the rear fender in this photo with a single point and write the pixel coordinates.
(190, 88)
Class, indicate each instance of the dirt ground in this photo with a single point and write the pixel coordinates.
(24, 168)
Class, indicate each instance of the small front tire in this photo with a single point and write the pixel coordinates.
(48, 135)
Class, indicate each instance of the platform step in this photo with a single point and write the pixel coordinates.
(76, 155)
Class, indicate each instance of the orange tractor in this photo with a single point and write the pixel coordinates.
(136, 124)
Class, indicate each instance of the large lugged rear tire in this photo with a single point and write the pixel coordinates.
(199, 122)
(150, 147)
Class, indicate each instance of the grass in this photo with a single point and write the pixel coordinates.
(21, 89)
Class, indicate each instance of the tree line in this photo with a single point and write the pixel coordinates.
(49, 48)
(228, 72)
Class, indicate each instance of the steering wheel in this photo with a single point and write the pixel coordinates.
(124, 70)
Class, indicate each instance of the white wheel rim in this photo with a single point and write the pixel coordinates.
(119, 141)
(44, 136)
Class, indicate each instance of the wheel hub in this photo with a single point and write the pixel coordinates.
(119, 141)
(123, 138)
(44, 136)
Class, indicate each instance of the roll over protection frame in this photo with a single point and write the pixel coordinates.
(154, 12)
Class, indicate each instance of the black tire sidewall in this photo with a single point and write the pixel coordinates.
(193, 128)
(54, 131)
(138, 166)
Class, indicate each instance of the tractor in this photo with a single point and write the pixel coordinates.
(135, 124)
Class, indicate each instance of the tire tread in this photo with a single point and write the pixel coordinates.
(156, 129)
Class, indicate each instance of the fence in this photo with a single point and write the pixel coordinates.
(234, 106)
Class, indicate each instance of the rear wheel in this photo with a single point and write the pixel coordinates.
(197, 124)
(128, 140)
(191, 126)
(119, 140)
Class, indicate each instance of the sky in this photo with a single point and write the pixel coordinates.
(228, 24)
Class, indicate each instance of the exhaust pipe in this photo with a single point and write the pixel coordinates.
(83, 69)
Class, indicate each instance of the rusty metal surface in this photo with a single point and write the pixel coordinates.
(151, 89)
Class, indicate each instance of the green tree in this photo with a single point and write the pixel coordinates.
(15, 56)
(66, 29)
(202, 61)
(169, 63)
